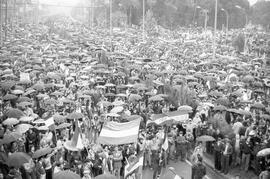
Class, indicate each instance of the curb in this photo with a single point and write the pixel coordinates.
(221, 176)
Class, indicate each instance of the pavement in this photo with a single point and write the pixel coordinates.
(209, 163)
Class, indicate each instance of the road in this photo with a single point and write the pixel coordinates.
(182, 169)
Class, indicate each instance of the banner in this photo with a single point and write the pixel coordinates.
(24, 76)
(130, 168)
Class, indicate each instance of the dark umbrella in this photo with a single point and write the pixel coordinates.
(17, 159)
(42, 152)
(14, 113)
(11, 137)
(75, 115)
(9, 97)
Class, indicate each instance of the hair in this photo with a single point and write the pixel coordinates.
(200, 159)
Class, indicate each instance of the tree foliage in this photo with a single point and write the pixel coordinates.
(261, 13)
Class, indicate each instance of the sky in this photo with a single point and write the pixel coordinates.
(252, 2)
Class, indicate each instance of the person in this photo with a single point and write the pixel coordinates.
(40, 171)
(198, 150)
(198, 170)
(217, 154)
(117, 161)
(245, 148)
(181, 147)
(265, 174)
(226, 153)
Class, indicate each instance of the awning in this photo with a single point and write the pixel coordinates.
(114, 133)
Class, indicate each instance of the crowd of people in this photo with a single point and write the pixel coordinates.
(58, 91)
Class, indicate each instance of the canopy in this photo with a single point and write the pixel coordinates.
(114, 133)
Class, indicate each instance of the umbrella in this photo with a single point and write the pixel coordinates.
(223, 101)
(117, 109)
(134, 97)
(9, 97)
(156, 98)
(75, 115)
(23, 99)
(66, 175)
(244, 112)
(59, 118)
(24, 104)
(17, 91)
(22, 128)
(264, 152)
(63, 125)
(248, 79)
(7, 84)
(219, 108)
(265, 116)
(118, 103)
(38, 86)
(11, 137)
(215, 94)
(42, 152)
(104, 103)
(257, 106)
(17, 159)
(106, 176)
(185, 108)
(14, 113)
(10, 121)
(205, 138)
(57, 93)
(26, 119)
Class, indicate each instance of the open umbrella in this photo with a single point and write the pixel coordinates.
(264, 152)
(205, 138)
(9, 97)
(257, 106)
(223, 101)
(134, 97)
(11, 137)
(17, 159)
(63, 125)
(24, 104)
(156, 98)
(117, 109)
(106, 176)
(42, 152)
(26, 119)
(220, 108)
(22, 128)
(10, 121)
(118, 103)
(75, 115)
(14, 113)
(185, 108)
(66, 175)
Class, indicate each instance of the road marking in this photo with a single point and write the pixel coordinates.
(188, 162)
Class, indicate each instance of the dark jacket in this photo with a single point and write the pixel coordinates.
(198, 171)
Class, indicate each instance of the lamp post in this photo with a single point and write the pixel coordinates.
(111, 29)
(244, 11)
(143, 20)
(246, 16)
(215, 29)
(227, 22)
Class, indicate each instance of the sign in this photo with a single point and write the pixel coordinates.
(24, 77)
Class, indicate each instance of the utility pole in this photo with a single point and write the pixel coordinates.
(6, 20)
(215, 29)
(1, 26)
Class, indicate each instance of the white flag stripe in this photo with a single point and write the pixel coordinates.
(123, 133)
(138, 164)
(49, 122)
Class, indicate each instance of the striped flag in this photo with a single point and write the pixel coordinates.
(130, 168)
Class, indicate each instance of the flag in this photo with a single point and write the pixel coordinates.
(130, 168)
(165, 144)
(49, 122)
(177, 177)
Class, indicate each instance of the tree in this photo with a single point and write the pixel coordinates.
(261, 13)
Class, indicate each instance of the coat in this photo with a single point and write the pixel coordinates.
(198, 171)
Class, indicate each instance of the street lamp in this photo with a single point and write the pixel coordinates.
(111, 29)
(227, 21)
(239, 7)
(143, 20)
(215, 29)
(243, 10)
